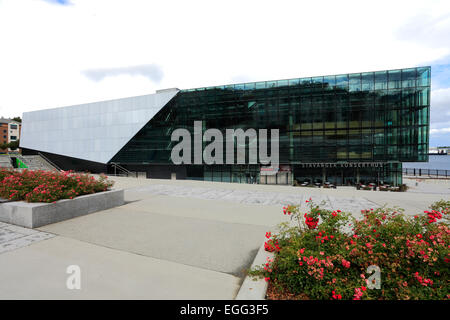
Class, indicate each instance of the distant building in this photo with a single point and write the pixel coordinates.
(9, 131)
(433, 150)
(439, 150)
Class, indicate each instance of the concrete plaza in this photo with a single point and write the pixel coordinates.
(173, 239)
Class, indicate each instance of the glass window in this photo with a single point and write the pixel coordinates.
(341, 153)
(217, 176)
(271, 84)
(381, 97)
(208, 175)
(355, 82)
(408, 97)
(408, 78)
(329, 82)
(294, 82)
(378, 153)
(423, 76)
(395, 98)
(306, 82)
(226, 176)
(380, 80)
(249, 86)
(305, 102)
(317, 81)
(342, 82)
(423, 97)
(282, 83)
(394, 77)
(341, 118)
(261, 85)
(379, 137)
(423, 116)
(14, 126)
(368, 81)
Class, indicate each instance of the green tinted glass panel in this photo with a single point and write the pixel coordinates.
(381, 81)
(394, 77)
(423, 97)
(355, 82)
(368, 81)
(423, 76)
(260, 85)
(329, 82)
(342, 82)
(409, 78)
(282, 83)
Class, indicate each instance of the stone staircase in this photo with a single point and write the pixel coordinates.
(5, 161)
(37, 162)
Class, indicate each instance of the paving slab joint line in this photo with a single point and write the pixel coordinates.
(251, 288)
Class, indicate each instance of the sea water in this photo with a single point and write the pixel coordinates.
(440, 162)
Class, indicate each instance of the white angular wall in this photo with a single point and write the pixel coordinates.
(92, 131)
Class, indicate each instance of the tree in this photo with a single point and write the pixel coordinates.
(13, 145)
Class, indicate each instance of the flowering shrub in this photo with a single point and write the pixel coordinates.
(45, 186)
(325, 254)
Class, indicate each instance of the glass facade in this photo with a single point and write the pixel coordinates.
(342, 128)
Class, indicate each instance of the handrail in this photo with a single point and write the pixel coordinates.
(50, 162)
(118, 166)
(426, 172)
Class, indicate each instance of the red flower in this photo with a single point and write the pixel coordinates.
(345, 263)
(336, 296)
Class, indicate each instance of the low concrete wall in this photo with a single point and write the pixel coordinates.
(33, 215)
(255, 288)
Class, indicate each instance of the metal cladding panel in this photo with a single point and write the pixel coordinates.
(92, 131)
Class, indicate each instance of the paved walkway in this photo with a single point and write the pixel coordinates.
(171, 240)
(257, 197)
(39, 272)
(15, 237)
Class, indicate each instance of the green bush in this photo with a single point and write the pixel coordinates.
(327, 253)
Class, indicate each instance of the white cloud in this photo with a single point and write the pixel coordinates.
(46, 48)
(441, 130)
(151, 71)
(440, 108)
(427, 29)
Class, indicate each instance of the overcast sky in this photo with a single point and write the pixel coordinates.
(64, 52)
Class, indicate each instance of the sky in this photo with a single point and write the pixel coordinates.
(63, 52)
